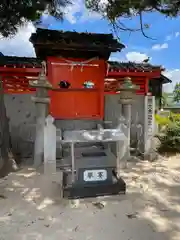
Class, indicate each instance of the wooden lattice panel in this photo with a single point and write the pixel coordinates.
(16, 85)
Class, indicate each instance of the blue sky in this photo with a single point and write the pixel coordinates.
(165, 32)
(164, 50)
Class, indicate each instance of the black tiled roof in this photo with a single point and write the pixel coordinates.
(165, 79)
(131, 66)
(75, 39)
(137, 67)
(11, 61)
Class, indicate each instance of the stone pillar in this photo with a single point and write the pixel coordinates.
(126, 113)
(42, 101)
(127, 91)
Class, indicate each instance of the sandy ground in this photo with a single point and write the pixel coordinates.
(32, 209)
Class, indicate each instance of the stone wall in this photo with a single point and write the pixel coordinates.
(22, 115)
(113, 111)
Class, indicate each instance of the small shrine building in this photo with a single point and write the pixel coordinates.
(83, 83)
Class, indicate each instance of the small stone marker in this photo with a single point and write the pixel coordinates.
(50, 146)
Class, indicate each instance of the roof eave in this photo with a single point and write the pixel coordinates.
(165, 79)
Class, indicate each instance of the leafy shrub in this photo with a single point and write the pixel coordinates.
(170, 137)
(174, 117)
(162, 120)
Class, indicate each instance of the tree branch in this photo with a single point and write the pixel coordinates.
(141, 24)
(119, 26)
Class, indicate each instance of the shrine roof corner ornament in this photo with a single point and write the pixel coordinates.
(73, 44)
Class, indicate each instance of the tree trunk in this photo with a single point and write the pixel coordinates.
(6, 156)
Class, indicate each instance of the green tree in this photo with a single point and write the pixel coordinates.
(164, 99)
(14, 13)
(115, 10)
(176, 93)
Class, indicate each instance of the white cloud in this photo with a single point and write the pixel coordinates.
(19, 45)
(136, 57)
(116, 59)
(87, 16)
(169, 38)
(177, 34)
(78, 12)
(159, 46)
(174, 35)
(72, 10)
(173, 75)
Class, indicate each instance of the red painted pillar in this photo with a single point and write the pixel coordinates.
(146, 85)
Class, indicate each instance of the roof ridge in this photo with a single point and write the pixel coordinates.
(134, 63)
(18, 57)
(62, 31)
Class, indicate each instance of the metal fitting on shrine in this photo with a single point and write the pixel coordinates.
(127, 91)
(42, 81)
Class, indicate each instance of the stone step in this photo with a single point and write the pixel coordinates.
(78, 150)
(88, 157)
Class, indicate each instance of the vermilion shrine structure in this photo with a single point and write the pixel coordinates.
(83, 96)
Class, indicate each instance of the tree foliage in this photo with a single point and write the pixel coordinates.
(113, 10)
(169, 135)
(14, 13)
(164, 99)
(176, 93)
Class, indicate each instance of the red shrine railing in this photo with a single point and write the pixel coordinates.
(140, 78)
(111, 85)
(20, 84)
(17, 84)
(16, 79)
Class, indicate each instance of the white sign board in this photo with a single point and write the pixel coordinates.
(149, 122)
(95, 175)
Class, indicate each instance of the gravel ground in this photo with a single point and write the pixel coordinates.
(32, 209)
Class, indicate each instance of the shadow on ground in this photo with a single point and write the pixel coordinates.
(31, 207)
